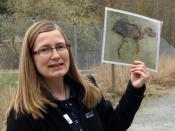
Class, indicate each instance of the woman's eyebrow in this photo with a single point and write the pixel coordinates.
(46, 45)
(60, 43)
(49, 45)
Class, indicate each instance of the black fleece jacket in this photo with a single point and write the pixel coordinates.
(101, 118)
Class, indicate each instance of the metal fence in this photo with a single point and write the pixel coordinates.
(85, 42)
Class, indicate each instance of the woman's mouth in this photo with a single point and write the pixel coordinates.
(56, 66)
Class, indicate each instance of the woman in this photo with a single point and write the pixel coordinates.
(52, 96)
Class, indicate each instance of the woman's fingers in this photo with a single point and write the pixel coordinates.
(136, 62)
(138, 65)
(139, 74)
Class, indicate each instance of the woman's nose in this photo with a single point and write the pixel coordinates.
(55, 53)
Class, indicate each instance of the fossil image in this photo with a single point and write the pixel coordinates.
(128, 31)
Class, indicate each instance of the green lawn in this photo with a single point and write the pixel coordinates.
(8, 78)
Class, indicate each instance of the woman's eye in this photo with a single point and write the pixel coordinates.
(44, 50)
(60, 46)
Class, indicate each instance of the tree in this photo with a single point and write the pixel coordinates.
(3, 8)
(91, 12)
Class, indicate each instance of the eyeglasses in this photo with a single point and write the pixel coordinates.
(49, 50)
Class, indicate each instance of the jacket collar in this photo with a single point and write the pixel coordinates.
(77, 91)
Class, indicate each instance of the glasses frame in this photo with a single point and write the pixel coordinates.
(38, 51)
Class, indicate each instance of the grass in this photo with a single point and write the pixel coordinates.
(8, 80)
(7, 95)
(158, 83)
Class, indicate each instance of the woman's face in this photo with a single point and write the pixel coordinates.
(51, 55)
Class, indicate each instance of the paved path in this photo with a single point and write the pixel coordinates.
(156, 114)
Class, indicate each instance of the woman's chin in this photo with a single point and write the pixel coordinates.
(58, 74)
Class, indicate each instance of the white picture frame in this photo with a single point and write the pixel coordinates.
(128, 36)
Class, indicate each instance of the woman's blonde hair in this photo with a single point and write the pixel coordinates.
(30, 96)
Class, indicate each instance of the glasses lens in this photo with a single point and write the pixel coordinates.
(44, 51)
(59, 48)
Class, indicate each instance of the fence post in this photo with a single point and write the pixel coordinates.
(75, 45)
(113, 77)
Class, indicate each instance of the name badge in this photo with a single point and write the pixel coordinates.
(89, 114)
(68, 119)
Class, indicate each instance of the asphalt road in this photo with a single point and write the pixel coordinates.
(156, 114)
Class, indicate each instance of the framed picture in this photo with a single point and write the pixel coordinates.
(128, 36)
